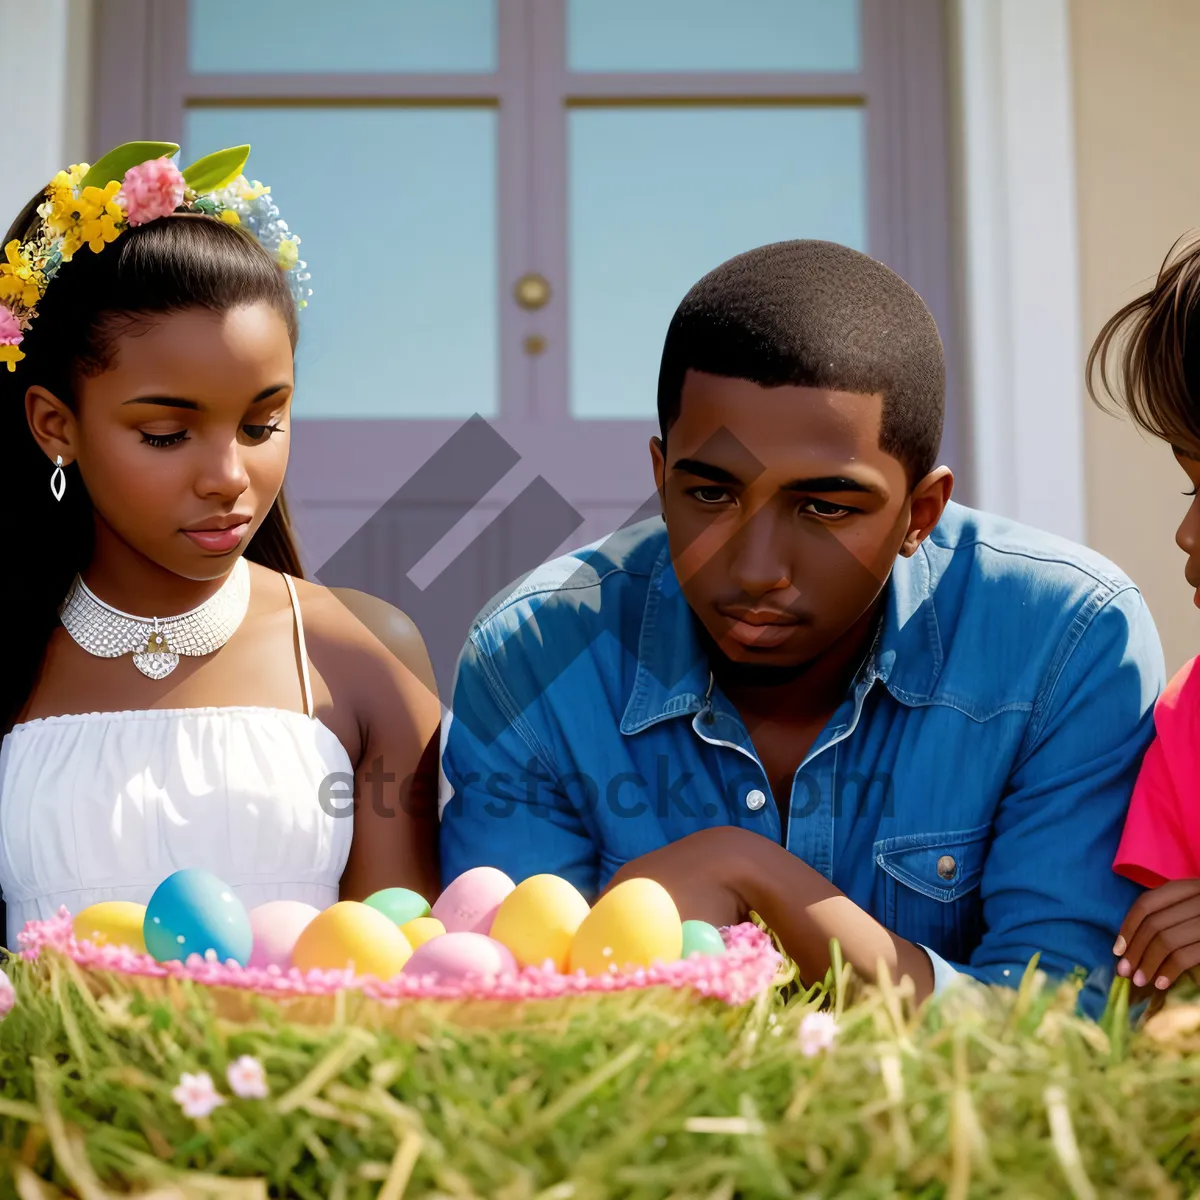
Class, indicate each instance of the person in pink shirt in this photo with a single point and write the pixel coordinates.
(1157, 377)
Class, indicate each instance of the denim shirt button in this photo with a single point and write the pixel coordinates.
(755, 800)
(946, 866)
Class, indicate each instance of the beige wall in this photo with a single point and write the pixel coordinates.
(1137, 91)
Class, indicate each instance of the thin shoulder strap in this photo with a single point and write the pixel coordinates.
(308, 704)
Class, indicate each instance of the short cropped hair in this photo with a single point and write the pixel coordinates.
(815, 314)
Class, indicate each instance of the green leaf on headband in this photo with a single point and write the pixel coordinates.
(117, 161)
(216, 170)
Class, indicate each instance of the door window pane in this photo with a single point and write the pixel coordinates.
(660, 196)
(713, 35)
(396, 212)
(281, 36)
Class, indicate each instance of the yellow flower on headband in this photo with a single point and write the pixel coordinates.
(288, 254)
(100, 220)
(18, 278)
(60, 207)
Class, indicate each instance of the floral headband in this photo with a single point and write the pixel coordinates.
(132, 185)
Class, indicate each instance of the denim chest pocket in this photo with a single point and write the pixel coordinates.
(930, 884)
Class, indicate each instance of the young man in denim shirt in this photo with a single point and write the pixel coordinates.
(817, 689)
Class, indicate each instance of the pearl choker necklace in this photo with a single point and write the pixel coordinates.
(156, 642)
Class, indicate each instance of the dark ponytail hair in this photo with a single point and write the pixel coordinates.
(171, 264)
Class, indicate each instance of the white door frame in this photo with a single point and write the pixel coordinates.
(51, 130)
(1019, 260)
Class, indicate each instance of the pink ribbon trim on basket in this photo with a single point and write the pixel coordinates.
(748, 966)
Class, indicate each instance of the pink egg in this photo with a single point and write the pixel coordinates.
(276, 925)
(453, 956)
(469, 904)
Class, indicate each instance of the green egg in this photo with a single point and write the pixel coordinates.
(399, 904)
(699, 937)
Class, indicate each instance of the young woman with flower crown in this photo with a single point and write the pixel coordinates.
(172, 692)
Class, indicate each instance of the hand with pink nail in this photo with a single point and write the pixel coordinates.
(1160, 937)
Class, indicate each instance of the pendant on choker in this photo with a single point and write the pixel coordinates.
(157, 660)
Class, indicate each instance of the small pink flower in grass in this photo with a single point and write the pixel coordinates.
(10, 331)
(817, 1032)
(8, 997)
(151, 190)
(247, 1078)
(196, 1095)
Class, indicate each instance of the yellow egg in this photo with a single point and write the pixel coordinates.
(538, 920)
(631, 926)
(350, 934)
(421, 929)
(112, 922)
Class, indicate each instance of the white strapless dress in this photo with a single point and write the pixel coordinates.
(105, 805)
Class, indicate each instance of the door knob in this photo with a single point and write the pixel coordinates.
(532, 291)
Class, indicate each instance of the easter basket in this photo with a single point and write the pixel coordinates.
(405, 1004)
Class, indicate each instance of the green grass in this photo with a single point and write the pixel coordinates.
(991, 1092)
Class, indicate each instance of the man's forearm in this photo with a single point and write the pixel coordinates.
(806, 912)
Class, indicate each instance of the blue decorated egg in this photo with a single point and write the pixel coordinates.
(194, 912)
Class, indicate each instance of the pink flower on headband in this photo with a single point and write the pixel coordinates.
(10, 331)
(151, 190)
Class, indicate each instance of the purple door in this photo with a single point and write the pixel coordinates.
(501, 203)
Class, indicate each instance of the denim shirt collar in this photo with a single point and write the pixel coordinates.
(673, 676)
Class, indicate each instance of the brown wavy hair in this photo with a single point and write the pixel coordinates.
(169, 265)
(1147, 355)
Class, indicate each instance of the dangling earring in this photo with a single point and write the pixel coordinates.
(58, 479)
